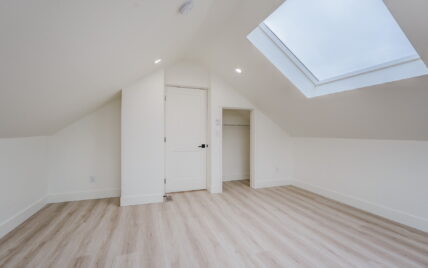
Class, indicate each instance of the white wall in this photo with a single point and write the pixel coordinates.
(143, 132)
(272, 153)
(23, 180)
(88, 148)
(142, 141)
(236, 145)
(272, 163)
(187, 74)
(388, 178)
(271, 146)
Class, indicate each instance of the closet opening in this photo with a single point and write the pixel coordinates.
(236, 146)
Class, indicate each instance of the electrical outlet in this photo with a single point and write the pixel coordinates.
(92, 179)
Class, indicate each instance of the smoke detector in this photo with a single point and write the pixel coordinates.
(186, 7)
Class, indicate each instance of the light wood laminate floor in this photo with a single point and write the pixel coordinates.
(274, 227)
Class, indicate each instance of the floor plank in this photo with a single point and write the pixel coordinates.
(243, 227)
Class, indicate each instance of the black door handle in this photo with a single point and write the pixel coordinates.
(203, 146)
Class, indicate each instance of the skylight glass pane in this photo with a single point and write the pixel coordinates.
(337, 37)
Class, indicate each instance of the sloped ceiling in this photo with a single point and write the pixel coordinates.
(397, 110)
(62, 59)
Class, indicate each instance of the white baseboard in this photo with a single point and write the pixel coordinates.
(380, 210)
(14, 221)
(271, 183)
(86, 195)
(131, 200)
(236, 177)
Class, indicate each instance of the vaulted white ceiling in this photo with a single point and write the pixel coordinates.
(63, 59)
(397, 110)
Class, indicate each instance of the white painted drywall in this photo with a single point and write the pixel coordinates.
(143, 131)
(59, 62)
(385, 177)
(23, 180)
(273, 162)
(142, 141)
(388, 178)
(394, 110)
(236, 145)
(188, 74)
(272, 148)
(85, 157)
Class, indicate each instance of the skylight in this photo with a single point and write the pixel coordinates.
(329, 41)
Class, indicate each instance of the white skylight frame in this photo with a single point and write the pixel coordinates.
(284, 59)
(313, 78)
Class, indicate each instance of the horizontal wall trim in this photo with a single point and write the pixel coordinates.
(271, 183)
(131, 200)
(84, 195)
(377, 209)
(14, 221)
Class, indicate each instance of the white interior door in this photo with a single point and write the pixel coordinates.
(185, 131)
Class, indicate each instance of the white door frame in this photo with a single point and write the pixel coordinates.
(252, 142)
(207, 163)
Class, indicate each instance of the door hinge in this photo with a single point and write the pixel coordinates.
(164, 139)
(165, 98)
(164, 181)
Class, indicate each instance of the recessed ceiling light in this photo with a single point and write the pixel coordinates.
(158, 61)
(238, 70)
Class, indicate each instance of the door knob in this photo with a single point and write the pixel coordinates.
(203, 146)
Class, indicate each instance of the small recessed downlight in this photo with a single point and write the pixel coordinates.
(158, 61)
(238, 70)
